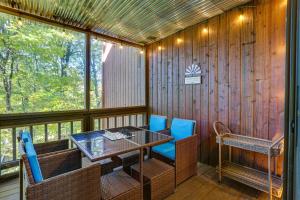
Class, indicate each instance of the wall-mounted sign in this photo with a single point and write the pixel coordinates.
(193, 74)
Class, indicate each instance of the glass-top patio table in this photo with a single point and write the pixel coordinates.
(96, 146)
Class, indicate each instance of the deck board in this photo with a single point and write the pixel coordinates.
(204, 185)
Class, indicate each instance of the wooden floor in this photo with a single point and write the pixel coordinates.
(203, 186)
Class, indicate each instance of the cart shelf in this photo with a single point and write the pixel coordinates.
(251, 177)
(260, 180)
(252, 144)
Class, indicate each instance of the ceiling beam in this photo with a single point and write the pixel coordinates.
(23, 14)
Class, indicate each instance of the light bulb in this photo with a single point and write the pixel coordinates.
(241, 17)
(20, 23)
(179, 40)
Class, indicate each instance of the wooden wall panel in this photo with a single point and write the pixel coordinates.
(175, 77)
(234, 60)
(242, 55)
(123, 77)
(181, 71)
(262, 58)
(213, 28)
(196, 100)
(170, 78)
(203, 56)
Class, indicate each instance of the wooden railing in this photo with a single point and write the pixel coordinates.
(119, 121)
(59, 125)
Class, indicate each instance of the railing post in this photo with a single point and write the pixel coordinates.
(59, 130)
(14, 139)
(87, 125)
(31, 132)
(46, 132)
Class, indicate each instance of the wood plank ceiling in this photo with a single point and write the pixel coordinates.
(139, 21)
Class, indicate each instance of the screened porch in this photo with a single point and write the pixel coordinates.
(107, 99)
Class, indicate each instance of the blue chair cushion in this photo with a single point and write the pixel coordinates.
(166, 149)
(33, 162)
(25, 136)
(157, 123)
(182, 128)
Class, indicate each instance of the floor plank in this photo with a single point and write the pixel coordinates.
(203, 186)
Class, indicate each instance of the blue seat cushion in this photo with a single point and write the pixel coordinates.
(25, 136)
(166, 150)
(182, 128)
(157, 123)
(33, 162)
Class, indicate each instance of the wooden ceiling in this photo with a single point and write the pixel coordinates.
(139, 21)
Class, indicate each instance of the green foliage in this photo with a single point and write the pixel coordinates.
(41, 67)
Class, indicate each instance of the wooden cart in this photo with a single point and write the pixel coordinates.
(266, 182)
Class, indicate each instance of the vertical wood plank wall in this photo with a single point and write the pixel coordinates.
(242, 53)
(123, 78)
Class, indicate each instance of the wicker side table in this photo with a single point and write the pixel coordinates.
(159, 179)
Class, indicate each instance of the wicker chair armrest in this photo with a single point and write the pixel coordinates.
(186, 158)
(186, 149)
(55, 152)
(52, 146)
(276, 142)
(55, 164)
(82, 183)
(165, 132)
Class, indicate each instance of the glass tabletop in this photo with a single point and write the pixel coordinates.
(96, 146)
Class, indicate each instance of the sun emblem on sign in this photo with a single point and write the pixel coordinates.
(193, 70)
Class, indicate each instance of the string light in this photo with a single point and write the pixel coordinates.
(141, 52)
(121, 46)
(283, 4)
(20, 23)
(179, 40)
(159, 48)
(241, 17)
(205, 30)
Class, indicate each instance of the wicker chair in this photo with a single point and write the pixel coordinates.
(63, 178)
(156, 123)
(46, 148)
(185, 158)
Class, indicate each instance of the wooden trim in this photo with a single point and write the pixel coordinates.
(87, 120)
(6, 177)
(9, 164)
(147, 84)
(291, 93)
(87, 84)
(20, 13)
(21, 119)
(105, 112)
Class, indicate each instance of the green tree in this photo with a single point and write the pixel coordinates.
(41, 67)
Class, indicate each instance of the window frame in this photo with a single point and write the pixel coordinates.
(13, 119)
